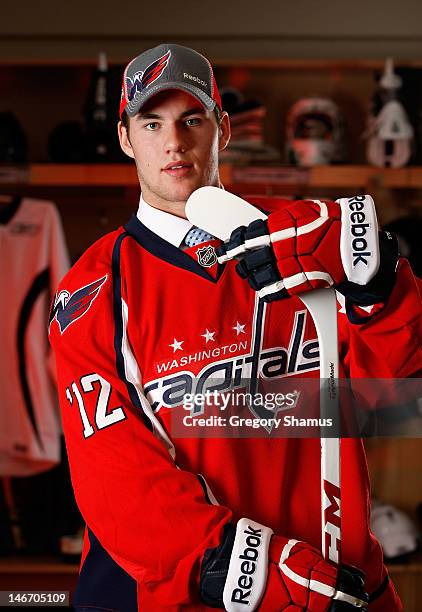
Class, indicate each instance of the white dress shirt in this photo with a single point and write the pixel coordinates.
(164, 224)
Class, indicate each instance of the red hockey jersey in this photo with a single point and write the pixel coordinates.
(136, 325)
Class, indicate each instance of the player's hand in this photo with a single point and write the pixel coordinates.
(253, 569)
(307, 245)
(300, 579)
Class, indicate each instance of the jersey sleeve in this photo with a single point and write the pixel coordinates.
(154, 519)
(388, 346)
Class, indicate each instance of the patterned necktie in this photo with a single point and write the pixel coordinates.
(196, 236)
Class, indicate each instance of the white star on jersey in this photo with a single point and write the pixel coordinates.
(208, 336)
(240, 329)
(177, 345)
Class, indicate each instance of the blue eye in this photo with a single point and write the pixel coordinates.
(152, 125)
(193, 121)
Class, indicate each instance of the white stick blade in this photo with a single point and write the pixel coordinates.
(219, 212)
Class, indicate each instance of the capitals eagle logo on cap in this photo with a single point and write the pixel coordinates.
(67, 308)
(144, 78)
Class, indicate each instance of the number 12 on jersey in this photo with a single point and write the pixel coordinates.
(103, 416)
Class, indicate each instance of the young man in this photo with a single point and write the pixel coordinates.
(143, 318)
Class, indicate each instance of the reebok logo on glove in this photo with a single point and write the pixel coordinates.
(247, 575)
(359, 244)
(248, 560)
(358, 230)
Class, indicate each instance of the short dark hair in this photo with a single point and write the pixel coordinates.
(125, 120)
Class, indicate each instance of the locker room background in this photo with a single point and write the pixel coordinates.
(276, 53)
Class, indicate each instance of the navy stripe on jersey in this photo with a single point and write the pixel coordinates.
(159, 247)
(118, 329)
(380, 590)
(204, 487)
(40, 284)
(103, 583)
(257, 345)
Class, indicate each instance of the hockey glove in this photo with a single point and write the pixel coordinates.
(311, 244)
(254, 569)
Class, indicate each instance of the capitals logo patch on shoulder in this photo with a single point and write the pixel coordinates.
(141, 80)
(68, 308)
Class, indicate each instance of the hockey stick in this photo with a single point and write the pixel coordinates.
(219, 212)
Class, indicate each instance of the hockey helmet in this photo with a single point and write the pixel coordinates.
(315, 132)
(395, 531)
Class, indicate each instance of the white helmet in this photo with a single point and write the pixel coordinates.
(394, 530)
(315, 132)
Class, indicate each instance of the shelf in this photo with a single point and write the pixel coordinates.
(38, 565)
(124, 175)
(264, 63)
(411, 568)
(327, 176)
(67, 175)
(83, 174)
(37, 574)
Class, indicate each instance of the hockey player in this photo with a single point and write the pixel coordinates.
(143, 317)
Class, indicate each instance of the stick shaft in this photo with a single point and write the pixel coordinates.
(323, 308)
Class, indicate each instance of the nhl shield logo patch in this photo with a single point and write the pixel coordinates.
(206, 256)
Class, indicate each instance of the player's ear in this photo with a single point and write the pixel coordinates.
(224, 131)
(124, 140)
